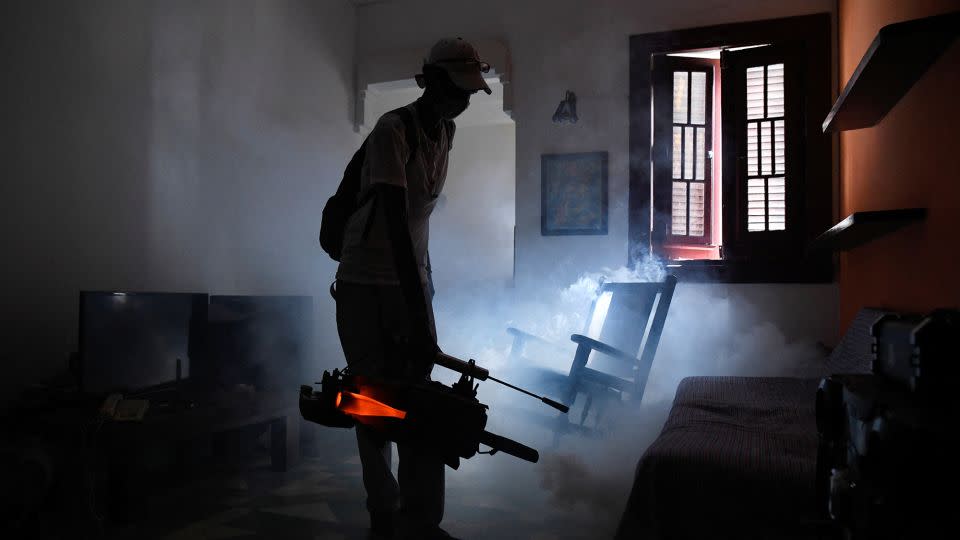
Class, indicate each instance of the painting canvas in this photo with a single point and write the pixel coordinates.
(573, 194)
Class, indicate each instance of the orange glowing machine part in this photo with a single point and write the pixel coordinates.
(361, 405)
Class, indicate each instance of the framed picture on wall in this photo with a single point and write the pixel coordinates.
(573, 194)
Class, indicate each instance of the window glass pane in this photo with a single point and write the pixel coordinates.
(697, 206)
(766, 148)
(677, 154)
(679, 221)
(753, 168)
(774, 90)
(777, 204)
(779, 148)
(688, 153)
(701, 152)
(698, 98)
(755, 93)
(756, 205)
(680, 88)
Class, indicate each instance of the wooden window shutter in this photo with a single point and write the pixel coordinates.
(682, 150)
(763, 153)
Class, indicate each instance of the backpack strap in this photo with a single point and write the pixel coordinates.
(410, 132)
(451, 131)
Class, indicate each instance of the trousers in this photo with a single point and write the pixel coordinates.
(370, 318)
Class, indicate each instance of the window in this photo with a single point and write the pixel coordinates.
(690, 213)
(766, 149)
(731, 177)
(683, 166)
(768, 209)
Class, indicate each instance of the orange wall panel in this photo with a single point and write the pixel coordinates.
(910, 159)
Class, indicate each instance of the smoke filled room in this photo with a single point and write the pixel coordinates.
(479, 270)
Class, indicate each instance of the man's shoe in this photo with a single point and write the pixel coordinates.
(373, 535)
(441, 534)
(434, 534)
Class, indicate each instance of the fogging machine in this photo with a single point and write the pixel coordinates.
(448, 419)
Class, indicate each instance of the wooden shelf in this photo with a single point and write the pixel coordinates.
(899, 55)
(861, 227)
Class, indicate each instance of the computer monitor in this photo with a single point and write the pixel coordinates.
(132, 341)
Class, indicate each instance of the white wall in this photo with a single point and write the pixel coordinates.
(166, 145)
(559, 45)
(471, 231)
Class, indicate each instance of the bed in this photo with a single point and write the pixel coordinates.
(736, 457)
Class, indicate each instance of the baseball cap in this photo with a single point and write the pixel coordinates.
(461, 62)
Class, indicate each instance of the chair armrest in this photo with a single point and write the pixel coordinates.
(526, 336)
(601, 347)
(605, 379)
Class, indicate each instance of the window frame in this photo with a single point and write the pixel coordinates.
(813, 31)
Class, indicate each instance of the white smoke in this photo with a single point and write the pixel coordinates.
(709, 333)
(590, 480)
(582, 480)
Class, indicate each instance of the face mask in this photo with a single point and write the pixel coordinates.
(451, 107)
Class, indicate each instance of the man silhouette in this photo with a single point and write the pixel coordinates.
(384, 313)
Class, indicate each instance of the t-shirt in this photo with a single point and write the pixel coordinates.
(368, 258)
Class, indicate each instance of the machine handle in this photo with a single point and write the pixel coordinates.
(509, 446)
(458, 365)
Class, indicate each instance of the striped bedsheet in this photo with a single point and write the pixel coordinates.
(737, 455)
(736, 459)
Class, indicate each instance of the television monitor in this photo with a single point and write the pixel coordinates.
(132, 341)
(259, 340)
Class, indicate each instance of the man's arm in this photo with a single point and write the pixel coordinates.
(393, 200)
(386, 159)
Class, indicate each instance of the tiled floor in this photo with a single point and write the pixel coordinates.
(488, 497)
